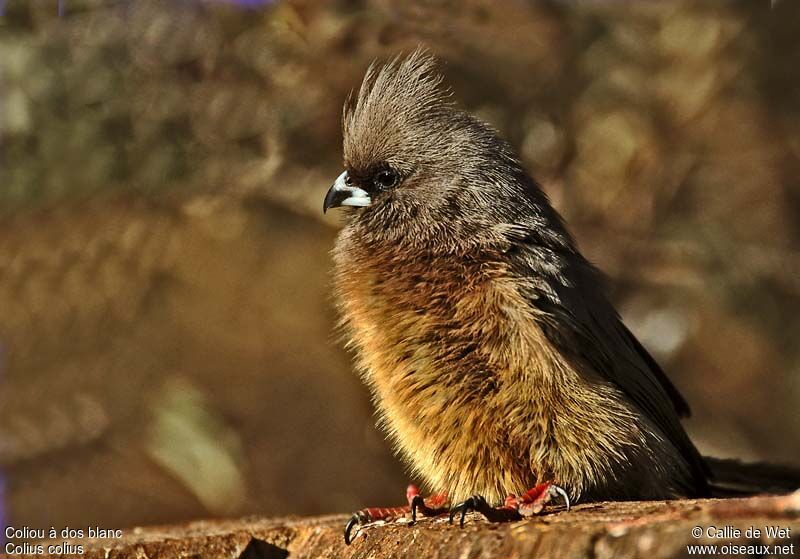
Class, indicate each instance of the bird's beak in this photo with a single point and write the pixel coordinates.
(343, 194)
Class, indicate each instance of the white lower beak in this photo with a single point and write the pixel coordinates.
(343, 194)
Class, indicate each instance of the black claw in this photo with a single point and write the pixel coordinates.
(454, 510)
(416, 503)
(354, 521)
(464, 512)
(473, 503)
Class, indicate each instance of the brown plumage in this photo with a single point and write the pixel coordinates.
(495, 359)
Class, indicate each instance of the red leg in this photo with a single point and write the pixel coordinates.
(532, 502)
(432, 506)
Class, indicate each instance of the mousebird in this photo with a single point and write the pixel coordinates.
(500, 371)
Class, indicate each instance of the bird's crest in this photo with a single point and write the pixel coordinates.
(394, 108)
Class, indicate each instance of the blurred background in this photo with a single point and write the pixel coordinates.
(167, 338)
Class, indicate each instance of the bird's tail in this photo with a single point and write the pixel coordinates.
(732, 478)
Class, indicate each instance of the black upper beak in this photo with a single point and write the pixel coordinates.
(344, 194)
(334, 198)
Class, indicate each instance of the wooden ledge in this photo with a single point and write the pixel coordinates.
(623, 529)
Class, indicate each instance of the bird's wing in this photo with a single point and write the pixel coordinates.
(578, 319)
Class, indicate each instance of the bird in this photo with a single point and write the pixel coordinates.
(500, 371)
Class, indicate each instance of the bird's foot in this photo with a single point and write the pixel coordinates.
(432, 506)
(530, 503)
(505, 513)
(534, 500)
(435, 505)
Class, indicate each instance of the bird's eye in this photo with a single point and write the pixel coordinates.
(386, 179)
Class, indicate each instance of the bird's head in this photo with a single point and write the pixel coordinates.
(414, 160)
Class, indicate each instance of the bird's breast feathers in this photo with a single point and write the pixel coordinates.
(462, 374)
